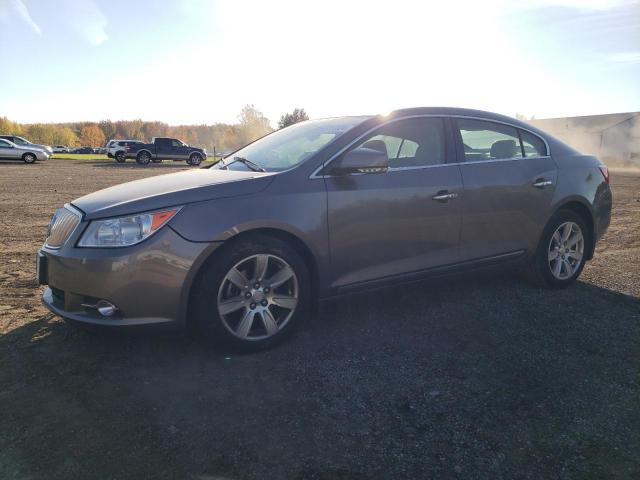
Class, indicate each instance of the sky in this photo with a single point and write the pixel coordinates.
(201, 61)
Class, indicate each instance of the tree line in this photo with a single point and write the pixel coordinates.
(252, 124)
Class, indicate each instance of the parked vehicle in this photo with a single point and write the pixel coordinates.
(100, 150)
(82, 150)
(117, 149)
(23, 142)
(323, 208)
(60, 149)
(11, 151)
(165, 148)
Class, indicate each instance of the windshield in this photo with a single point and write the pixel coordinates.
(293, 145)
(21, 141)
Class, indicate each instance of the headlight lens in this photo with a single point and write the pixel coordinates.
(124, 231)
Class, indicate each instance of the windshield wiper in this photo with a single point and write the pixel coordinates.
(253, 166)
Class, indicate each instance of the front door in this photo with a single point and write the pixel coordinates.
(509, 180)
(402, 221)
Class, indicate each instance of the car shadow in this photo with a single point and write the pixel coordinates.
(480, 372)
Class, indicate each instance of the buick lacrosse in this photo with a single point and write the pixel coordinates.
(240, 249)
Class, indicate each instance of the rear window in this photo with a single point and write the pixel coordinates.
(533, 145)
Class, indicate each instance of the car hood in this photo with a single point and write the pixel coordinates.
(35, 146)
(172, 189)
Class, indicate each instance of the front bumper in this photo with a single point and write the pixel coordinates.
(149, 283)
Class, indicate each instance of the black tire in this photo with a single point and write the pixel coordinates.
(211, 279)
(143, 158)
(195, 159)
(29, 158)
(538, 268)
(156, 160)
(120, 157)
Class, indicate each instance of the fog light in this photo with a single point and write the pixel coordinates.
(104, 308)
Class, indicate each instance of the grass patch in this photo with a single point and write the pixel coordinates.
(81, 156)
(95, 156)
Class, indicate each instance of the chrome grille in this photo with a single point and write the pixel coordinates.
(62, 224)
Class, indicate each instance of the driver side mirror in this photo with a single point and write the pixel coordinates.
(361, 160)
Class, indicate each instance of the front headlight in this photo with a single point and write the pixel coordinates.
(124, 231)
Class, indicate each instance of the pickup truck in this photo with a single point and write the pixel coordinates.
(164, 148)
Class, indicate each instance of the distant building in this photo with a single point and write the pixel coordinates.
(614, 138)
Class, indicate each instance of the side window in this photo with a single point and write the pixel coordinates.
(413, 142)
(163, 142)
(484, 140)
(4, 144)
(176, 143)
(533, 145)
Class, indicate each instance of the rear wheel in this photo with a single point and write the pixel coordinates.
(195, 159)
(561, 254)
(143, 158)
(29, 158)
(120, 158)
(253, 294)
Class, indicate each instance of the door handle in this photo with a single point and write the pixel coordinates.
(444, 196)
(541, 183)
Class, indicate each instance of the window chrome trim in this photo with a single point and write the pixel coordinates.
(316, 173)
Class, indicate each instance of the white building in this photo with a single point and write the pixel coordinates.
(614, 138)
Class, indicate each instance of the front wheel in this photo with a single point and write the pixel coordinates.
(195, 159)
(252, 295)
(143, 158)
(560, 257)
(29, 158)
(120, 157)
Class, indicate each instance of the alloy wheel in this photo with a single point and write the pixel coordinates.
(566, 249)
(258, 296)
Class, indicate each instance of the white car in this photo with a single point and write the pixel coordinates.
(60, 149)
(117, 149)
(11, 151)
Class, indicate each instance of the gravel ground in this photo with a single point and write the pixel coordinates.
(478, 376)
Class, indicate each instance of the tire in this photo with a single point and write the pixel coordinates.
(553, 266)
(120, 157)
(143, 158)
(257, 317)
(195, 159)
(29, 158)
(156, 160)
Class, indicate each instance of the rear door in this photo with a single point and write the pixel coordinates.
(164, 148)
(8, 151)
(398, 222)
(509, 180)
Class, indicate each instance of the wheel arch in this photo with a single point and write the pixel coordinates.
(143, 150)
(581, 208)
(219, 248)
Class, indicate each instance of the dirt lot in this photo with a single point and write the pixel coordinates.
(480, 376)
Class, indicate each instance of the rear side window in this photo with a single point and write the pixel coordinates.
(484, 140)
(412, 142)
(532, 145)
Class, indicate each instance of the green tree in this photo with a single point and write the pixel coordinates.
(298, 115)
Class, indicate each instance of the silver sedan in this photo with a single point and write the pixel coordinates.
(11, 151)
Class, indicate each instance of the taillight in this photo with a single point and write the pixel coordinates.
(605, 173)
